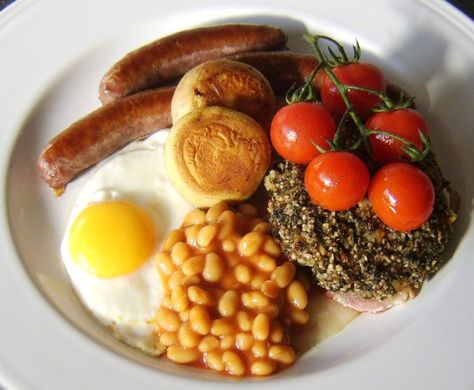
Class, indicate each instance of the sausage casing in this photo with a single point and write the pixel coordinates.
(102, 132)
(167, 58)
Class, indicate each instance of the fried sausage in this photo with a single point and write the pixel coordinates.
(167, 58)
(101, 133)
(282, 69)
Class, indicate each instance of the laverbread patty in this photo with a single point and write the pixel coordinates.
(353, 251)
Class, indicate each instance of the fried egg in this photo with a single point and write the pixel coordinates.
(116, 227)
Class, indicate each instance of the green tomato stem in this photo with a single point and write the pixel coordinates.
(386, 100)
(307, 93)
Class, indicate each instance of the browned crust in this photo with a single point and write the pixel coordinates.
(170, 57)
(103, 131)
(216, 154)
(225, 83)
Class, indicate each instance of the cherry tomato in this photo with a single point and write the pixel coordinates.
(402, 196)
(359, 74)
(403, 122)
(336, 180)
(297, 127)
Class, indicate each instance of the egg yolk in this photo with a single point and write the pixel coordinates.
(111, 239)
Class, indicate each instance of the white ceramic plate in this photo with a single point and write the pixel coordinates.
(53, 54)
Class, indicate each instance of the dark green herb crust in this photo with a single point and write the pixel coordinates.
(353, 251)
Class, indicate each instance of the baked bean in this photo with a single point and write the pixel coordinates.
(277, 333)
(199, 295)
(165, 264)
(195, 217)
(184, 315)
(180, 253)
(174, 237)
(209, 343)
(248, 209)
(166, 302)
(243, 273)
(213, 267)
(265, 262)
(244, 320)
(192, 234)
(272, 310)
(298, 316)
(263, 227)
(227, 223)
(271, 247)
(227, 342)
(229, 245)
(200, 320)
(282, 353)
(262, 367)
(179, 298)
(215, 211)
(175, 279)
(182, 355)
(270, 289)
(254, 300)
(233, 363)
(206, 235)
(187, 337)
(213, 360)
(259, 349)
(257, 282)
(244, 341)
(168, 338)
(194, 265)
(250, 243)
(168, 320)
(221, 327)
(284, 274)
(190, 280)
(261, 326)
(228, 303)
(296, 294)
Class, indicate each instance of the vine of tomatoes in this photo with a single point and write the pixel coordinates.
(394, 135)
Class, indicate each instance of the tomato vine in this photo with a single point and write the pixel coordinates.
(337, 56)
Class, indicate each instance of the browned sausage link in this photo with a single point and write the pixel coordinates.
(105, 130)
(101, 133)
(282, 69)
(170, 57)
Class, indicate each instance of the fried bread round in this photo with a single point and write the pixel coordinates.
(228, 84)
(216, 154)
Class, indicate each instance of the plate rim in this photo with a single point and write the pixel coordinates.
(20, 9)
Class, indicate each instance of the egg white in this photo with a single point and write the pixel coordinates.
(127, 304)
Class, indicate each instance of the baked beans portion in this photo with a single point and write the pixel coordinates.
(230, 300)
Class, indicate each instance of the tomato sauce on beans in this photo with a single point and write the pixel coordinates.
(230, 299)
